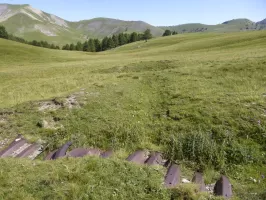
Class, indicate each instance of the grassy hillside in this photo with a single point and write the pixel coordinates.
(101, 27)
(200, 98)
(235, 25)
(33, 24)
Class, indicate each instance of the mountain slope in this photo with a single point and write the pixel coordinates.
(263, 22)
(234, 25)
(101, 27)
(31, 23)
(261, 25)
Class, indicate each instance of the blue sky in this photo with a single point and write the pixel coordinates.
(156, 12)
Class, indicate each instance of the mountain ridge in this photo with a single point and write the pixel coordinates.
(234, 25)
(262, 22)
(33, 24)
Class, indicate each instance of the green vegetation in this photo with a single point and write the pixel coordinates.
(200, 98)
(4, 34)
(88, 178)
(168, 33)
(95, 45)
(147, 35)
(92, 45)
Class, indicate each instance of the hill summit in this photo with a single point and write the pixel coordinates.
(31, 23)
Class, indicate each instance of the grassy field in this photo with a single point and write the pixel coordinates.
(200, 98)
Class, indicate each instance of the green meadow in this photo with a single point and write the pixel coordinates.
(199, 98)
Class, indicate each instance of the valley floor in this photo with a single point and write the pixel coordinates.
(200, 98)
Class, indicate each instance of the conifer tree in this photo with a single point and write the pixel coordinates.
(174, 33)
(104, 43)
(79, 46)
(127, 38)
(91, 46)
(85, 46)
(147, 35)
(140, 36)
(3, 32)
(167, 33)
(97, 45)
(66, 47)
(116, 41)
(72, 47)
(121, 39)
(133, 37)
(110, 43)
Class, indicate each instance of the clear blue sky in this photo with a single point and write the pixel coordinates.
(156, 12)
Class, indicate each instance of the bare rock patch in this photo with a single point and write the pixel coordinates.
(3, 143)
(71, 102)
(49, 105)
(75, 100)
(49, 123)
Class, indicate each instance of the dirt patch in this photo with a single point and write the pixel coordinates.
(49, 123)
(75, 100)
(210, 188)
(71, 102)
(49, 105)
(3, 143)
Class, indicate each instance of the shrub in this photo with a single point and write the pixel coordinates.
(3, 33)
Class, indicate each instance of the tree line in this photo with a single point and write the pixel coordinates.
(91, 45)
(4, 34)
(168, 33)
(95, 45)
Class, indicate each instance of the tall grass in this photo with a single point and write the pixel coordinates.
(197, 147)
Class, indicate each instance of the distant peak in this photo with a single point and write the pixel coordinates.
(240, 20)
(14, 6)
(262, 21)
(22, 5)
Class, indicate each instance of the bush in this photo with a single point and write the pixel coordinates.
(3, 33)
(167, 33)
